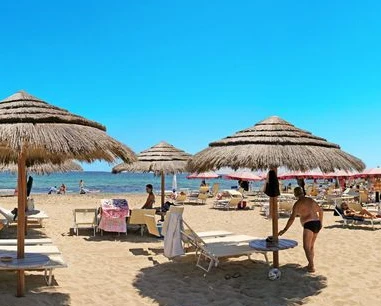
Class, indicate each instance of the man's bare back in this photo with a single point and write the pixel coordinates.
(307, 209)
(311, 217)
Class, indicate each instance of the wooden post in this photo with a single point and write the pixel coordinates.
(21, 226)
(162, 188)
(274, 219)
(274, 216)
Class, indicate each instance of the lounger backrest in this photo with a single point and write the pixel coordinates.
(190, 236)
(202, 196)
(7, 214)
(181, 198)
(151, 225)
(85, 215)
(355, 206)
(285, 206)
(215, 189)
(204, 189)
(363, 196)
(137, 215)
(234, 202)
(176, 209)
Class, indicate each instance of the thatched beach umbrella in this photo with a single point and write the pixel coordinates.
(46, 168)
(160, 159)
(33, 131)
(274, 143)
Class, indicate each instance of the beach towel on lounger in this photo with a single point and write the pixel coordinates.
(172, 236)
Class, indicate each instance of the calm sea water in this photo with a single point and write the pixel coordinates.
(106, 182)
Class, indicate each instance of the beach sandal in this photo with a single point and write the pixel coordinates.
(236, 275)
(227, 276)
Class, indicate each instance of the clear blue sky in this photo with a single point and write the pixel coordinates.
(190, 72)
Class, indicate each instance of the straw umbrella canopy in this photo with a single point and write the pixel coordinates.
(46, 168)
(33, 131)
(274, 143)
(160, 159)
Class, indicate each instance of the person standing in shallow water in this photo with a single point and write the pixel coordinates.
(311, 218)
(82, 187)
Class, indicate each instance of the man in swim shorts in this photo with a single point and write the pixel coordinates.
(311, 218)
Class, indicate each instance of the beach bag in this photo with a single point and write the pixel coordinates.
(272, 186)
(30, 204)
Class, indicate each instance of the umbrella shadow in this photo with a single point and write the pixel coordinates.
(37, 293)
(250, 287)
(10, 232)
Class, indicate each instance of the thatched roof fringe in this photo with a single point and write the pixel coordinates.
(274, 143)
(161, 157)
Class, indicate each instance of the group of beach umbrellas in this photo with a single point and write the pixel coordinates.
(33, 132)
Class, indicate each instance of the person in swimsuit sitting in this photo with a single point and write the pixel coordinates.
(311, 218)
(150, 199)
(363, 213)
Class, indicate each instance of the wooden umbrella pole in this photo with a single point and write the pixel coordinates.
(274, 216)
(274, 219)
(162, 188)
(21, 188)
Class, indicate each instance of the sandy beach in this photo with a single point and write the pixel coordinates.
(131, 270)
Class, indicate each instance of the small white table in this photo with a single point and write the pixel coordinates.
(29, 261)
(282, 244)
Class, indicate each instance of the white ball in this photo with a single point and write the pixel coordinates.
(274, 274)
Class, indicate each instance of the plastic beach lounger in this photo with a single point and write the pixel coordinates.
(41, 249)
(55, 262)
(40, 241)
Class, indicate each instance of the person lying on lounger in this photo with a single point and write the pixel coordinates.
(363, 213)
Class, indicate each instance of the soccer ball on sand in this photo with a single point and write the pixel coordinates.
(274, 274)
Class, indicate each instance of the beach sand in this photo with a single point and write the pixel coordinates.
(131, 270)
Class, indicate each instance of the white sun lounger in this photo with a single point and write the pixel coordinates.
(40, 249)
(212, 249)
(39, 241)
(39, 217)
(55, 262)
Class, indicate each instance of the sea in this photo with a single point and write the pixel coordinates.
(106, 182)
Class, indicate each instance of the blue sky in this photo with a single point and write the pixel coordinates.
(190, 72)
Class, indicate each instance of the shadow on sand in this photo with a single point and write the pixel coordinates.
(37, 293)
(181, 283)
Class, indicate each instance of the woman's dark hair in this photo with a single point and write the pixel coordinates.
(149, 186)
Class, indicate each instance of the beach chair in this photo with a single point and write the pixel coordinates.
(214, 190)
(285, 208)
(181, 199)
(231, 203)
(56, 260)
(204, 189)
(201, 199)
(137, 217)
(152, 226)
(347, 221)
(242, 192)
(38, 217)
(38, 241)
(212, 250)
(364, 197)
(47, 249)
(85, 218)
